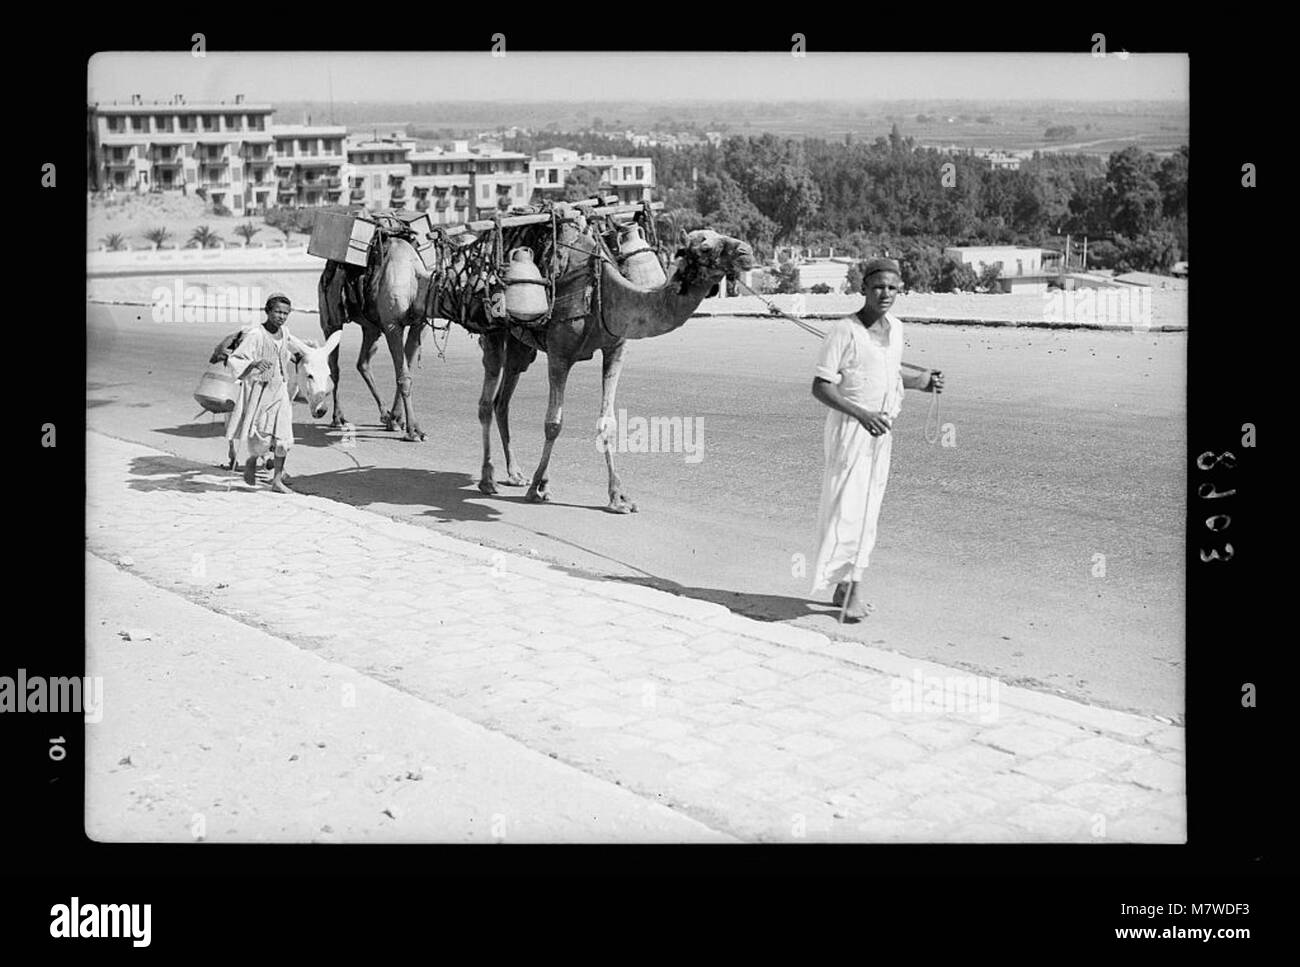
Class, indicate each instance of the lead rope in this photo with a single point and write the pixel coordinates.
(934, 397)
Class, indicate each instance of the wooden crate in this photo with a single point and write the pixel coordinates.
(418, 222)
(341, 238)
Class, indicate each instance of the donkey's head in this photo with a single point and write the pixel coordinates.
(314, 383)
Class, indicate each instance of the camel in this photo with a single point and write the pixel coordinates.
(623, 312)
(397, 286)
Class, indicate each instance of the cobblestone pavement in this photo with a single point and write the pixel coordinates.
(758, 730)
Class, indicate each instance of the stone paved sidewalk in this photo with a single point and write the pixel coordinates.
(759, 730)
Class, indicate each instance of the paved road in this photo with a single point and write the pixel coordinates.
(1068, 446)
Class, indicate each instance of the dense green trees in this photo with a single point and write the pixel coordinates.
(892, 197)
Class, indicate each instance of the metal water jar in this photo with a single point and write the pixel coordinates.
(217, 389)
(525, 287)
(638, 261)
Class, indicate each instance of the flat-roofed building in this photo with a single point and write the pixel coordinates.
(380, 168)
(632, 179)
(461, 182)
(311, 166)
(223, 148)
(1023, 269)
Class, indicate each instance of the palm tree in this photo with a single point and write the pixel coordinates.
(205, 237)
(246, 231)
(114, 242)
(157, 236)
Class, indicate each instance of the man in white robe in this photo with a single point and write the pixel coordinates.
(859, 378)
(263, 415)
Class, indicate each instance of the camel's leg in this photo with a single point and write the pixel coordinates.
(333, 316)
(557, 368)
(413, 343)
(413, 432)
(518, 358)
(607, 429)
(494, 351)
(369, 346)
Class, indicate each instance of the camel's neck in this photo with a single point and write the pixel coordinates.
(636, 313)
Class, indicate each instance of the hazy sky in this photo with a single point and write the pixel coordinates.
(579, 77)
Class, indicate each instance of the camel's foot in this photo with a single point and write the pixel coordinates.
(340, 421)
(515, 479)
(487, 480)
(621, 504)
(250, 471)
(538, 493)
(390, 421)
(280, 487)
(414, 435)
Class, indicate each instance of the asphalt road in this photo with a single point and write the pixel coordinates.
(1044, 547)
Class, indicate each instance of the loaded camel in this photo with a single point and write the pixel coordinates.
(622, 312)
(394, 288)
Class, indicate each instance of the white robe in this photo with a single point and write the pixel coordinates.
(865, 365)
(262, 418)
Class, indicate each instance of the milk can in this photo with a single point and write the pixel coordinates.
(525, 288)
(217, 389)
(638, 261)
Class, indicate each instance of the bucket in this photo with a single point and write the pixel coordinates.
(525, 288)
(637, 260)
(217, 389)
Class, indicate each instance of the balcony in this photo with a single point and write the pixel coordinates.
(358, 194)
(398, 194)
(127, 162)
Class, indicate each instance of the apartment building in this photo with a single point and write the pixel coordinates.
(311, 167)
(463, 182)
(380, 168)
(223, 148)
(632, 179)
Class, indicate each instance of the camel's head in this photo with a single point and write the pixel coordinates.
(708, 257)
(314, 383)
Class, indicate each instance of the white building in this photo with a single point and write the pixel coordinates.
(632, 179)
(223, 148)
(311, 166)
(1023, 269)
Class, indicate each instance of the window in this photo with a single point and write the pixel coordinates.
(162, 122)
(116, 125)
(236, 175)
(285, 148)
(553, 177)
(139, 123)
(232, 121)
(187, 122)
(306, 145)
(486, 192)
(189, 175)
(239, 202)
(210, 122)
(640, 172)
(256, 123)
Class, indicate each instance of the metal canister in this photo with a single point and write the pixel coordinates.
(637, 260)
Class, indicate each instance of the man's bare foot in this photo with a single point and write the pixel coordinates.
(858, 607)
(280, 487)
(250, 471)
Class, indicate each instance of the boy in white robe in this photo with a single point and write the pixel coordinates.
(263, 413)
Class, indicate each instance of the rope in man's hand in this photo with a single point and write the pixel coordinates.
(930, 438)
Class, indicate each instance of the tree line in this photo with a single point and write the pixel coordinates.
(894, 197)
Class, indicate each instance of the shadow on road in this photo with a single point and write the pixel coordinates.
(195, 430)
(760, 607)
(174, 473)
(447, 496)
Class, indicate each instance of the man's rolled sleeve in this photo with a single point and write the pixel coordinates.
(830, 360)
